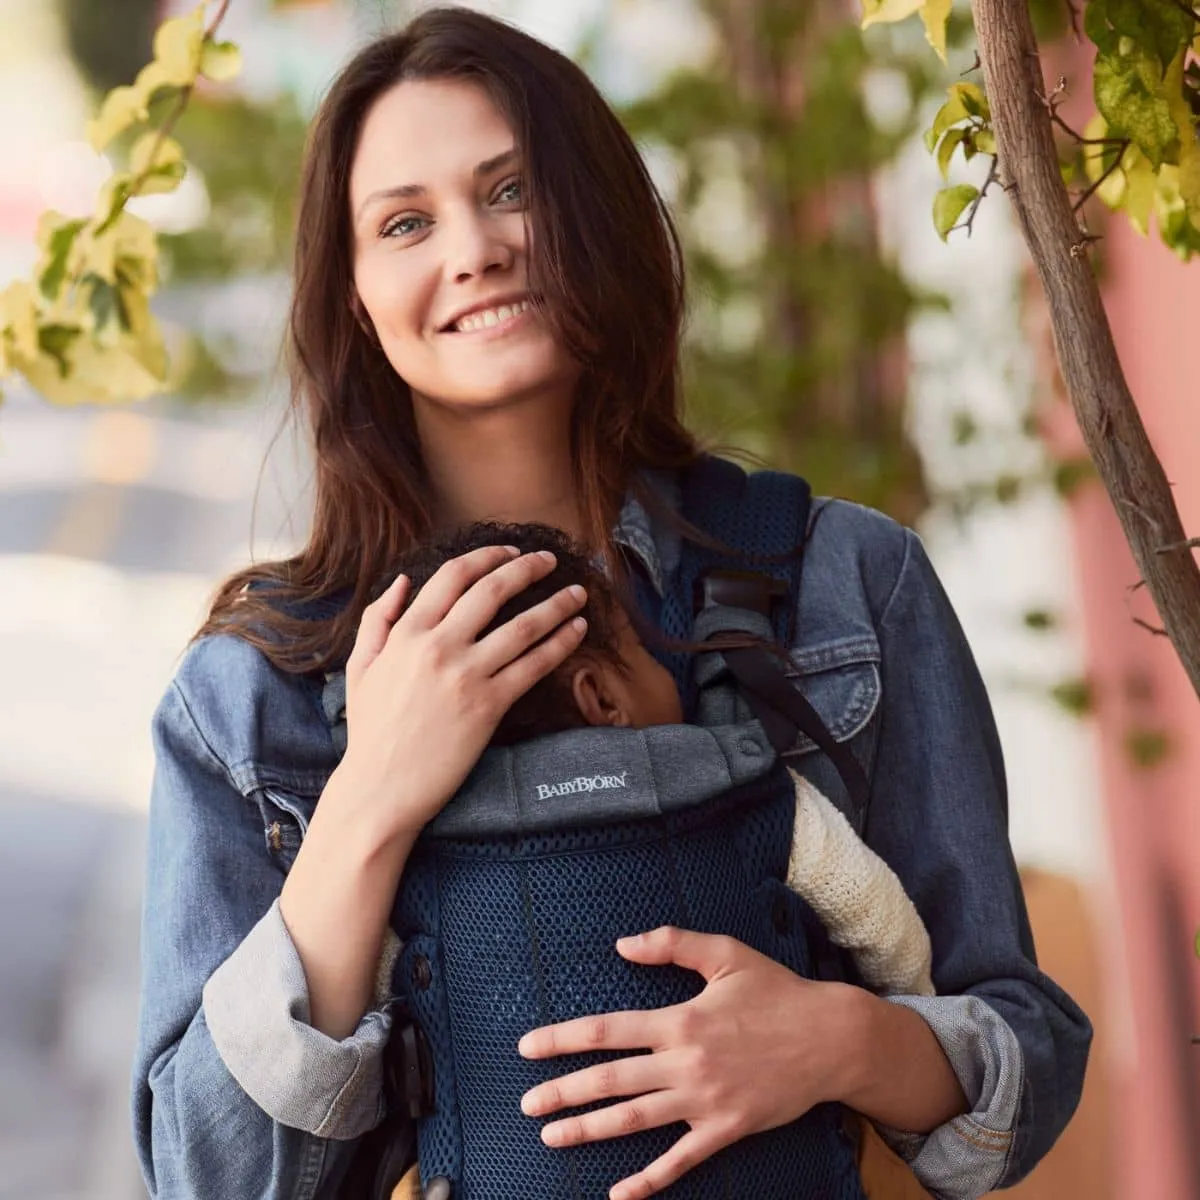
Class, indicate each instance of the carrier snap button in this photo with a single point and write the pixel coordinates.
(422, 976)
(438, 1188)
(750, 748)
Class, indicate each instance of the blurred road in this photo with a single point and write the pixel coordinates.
(114, 526)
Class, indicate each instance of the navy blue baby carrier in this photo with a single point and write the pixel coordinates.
(515, 894)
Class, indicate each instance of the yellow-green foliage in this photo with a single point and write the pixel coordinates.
(1141, 151)
(82, 330)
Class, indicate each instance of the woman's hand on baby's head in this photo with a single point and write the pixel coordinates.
(424, 696)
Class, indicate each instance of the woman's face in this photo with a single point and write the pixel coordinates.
(440, 249)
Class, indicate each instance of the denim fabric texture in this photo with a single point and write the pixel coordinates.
(243, 752)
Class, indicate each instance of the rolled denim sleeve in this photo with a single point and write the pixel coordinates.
(938, 815)
(201, 1134)
(256, 1004)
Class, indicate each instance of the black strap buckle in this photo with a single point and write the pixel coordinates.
(410, 1071)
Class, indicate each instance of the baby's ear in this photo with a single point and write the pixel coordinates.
(598, 701)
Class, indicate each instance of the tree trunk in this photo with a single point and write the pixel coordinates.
(1108, 418)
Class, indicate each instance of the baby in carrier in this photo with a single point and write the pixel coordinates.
(556, 771)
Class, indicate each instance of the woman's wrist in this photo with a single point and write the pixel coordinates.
(895, 1070)
(362, 812)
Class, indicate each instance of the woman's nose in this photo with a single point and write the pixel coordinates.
(475, 247)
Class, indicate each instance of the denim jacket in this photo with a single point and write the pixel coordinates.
(235, 1094)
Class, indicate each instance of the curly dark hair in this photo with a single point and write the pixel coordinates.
(549, 706)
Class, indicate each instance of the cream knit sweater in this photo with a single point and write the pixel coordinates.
(858, 898)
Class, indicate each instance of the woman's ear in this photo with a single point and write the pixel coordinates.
(598, 700)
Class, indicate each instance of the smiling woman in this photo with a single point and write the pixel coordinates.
(486, 327)
(449, 256)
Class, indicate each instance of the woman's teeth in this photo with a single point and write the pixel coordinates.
(490, 316)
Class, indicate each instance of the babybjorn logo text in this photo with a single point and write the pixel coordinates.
(581, 783)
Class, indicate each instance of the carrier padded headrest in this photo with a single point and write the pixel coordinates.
(598, 776)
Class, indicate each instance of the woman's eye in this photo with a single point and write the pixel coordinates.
(510, 192)
(400, 226)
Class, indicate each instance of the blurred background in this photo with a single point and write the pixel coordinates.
(830, 331)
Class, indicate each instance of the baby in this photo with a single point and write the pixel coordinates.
(613, 680)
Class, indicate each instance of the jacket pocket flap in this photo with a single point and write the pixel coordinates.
(841, 680)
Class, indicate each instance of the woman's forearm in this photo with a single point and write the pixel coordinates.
(898, 1073)
(336, 902)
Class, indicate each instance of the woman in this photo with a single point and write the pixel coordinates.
(486, 324)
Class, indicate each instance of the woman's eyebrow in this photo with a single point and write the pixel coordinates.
(407, 190)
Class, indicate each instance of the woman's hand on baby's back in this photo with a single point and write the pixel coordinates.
(424, 696)
(756, 1049)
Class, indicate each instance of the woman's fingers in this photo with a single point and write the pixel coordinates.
(480, 602)
(604, 1031)
(375, 625)
(621, 1077)
(506, 644)
(691, 1150)
(617, 1120)
(518, 677)
(454, 578)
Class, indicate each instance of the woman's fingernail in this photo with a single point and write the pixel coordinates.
(579, 624)
(523, 1046)
(512, 550)
(547, 556)
(577, 592)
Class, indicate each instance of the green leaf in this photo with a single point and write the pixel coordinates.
(177, 49)
(1075, 695)
(158, 164)
(121, 108)
(946, 149)
(1039, 620)
(1096, 26)
(984, 140)
(1159, 25)
(1129, 96)
(1071, 473)
(220, 61)
(949, 204)
(963, 100)
(56, 340)
(965, 428)
(1147, 747)
(54, 273)
(935, 14)
(104, 301)
(1007, 488)
(888, 10)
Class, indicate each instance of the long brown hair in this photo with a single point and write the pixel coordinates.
(606, 267)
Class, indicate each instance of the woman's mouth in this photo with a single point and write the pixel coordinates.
(499, 319)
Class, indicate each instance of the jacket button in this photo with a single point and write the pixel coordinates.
(438, 1188)
(422, 976)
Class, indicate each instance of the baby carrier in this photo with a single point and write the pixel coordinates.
(515, 895)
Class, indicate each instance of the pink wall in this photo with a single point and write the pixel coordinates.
(1153, 303)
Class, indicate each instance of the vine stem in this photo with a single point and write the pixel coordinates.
(172, 119)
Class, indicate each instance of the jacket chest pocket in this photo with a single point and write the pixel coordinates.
(285, 818)
(841, 680)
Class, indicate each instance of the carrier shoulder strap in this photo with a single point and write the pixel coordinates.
(764, 517)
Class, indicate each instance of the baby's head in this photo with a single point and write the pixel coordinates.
(612, 679)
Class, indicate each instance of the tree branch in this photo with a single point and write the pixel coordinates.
(181, 102)
(1108, 418)
(1091, 191)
